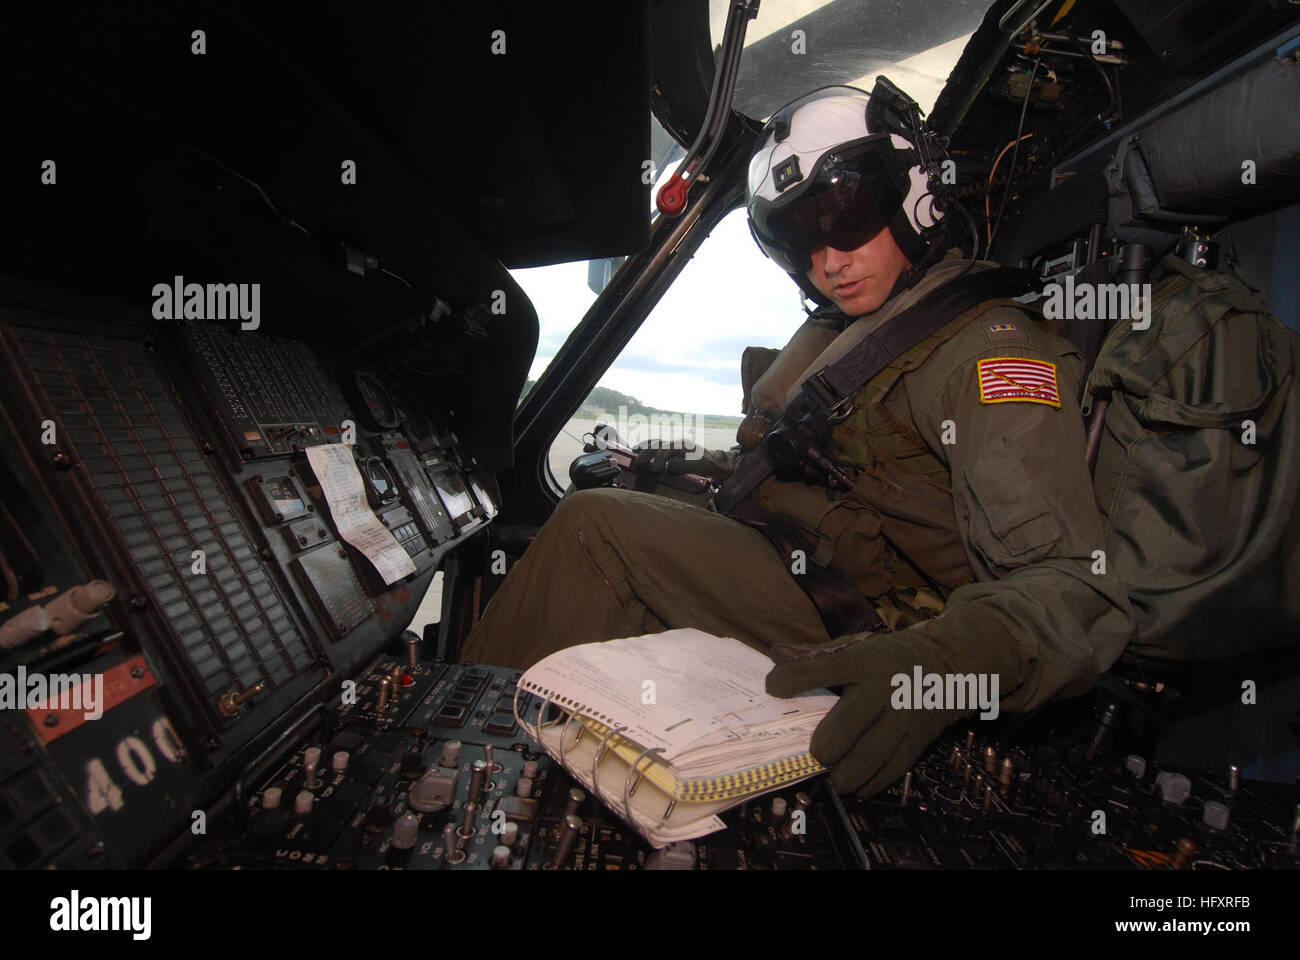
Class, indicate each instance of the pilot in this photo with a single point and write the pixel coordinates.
(970, 526)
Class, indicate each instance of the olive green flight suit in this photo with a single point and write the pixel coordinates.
(981, 511)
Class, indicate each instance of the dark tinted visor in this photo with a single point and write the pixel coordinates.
(848, 200)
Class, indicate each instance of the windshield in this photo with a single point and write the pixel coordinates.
(562, 293)
(798, 45)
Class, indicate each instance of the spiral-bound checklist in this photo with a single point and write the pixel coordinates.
(670, 729)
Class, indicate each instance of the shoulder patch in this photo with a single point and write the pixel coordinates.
(1009, 379)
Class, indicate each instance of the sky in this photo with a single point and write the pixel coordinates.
(686, 356)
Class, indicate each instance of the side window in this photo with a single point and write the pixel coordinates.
(679, 376)
(562, 293)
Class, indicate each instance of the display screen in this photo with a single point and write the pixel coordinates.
(454, 496)
(484, 498)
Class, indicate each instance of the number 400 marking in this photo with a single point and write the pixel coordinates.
(137, 763)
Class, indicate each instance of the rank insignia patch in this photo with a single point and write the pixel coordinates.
(1007, 331)
(1008, 379)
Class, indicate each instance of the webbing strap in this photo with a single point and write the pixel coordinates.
(834, 385)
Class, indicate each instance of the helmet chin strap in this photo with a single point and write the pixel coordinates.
(809, 292)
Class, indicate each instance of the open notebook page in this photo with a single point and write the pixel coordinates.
(669, 690)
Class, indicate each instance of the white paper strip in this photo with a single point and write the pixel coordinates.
(357, 523)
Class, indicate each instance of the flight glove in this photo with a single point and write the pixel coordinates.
(683, 457)
(875, 733)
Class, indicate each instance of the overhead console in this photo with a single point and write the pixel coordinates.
(1055, 113)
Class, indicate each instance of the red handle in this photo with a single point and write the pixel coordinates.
(672, 196)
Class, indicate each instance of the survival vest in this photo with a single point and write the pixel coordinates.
(894, 534)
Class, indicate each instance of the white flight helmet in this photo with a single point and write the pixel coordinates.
(832, 170)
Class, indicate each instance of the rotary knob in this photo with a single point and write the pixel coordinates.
(406, 831)
(1215, 815)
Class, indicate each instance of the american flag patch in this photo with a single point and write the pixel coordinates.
(1007, 379)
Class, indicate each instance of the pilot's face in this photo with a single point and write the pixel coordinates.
(858, 281)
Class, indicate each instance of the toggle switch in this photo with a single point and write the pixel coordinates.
(467, 828)
(477, 775)
(572, 827)
(451, 853)
(576, 799)
(232, 700)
